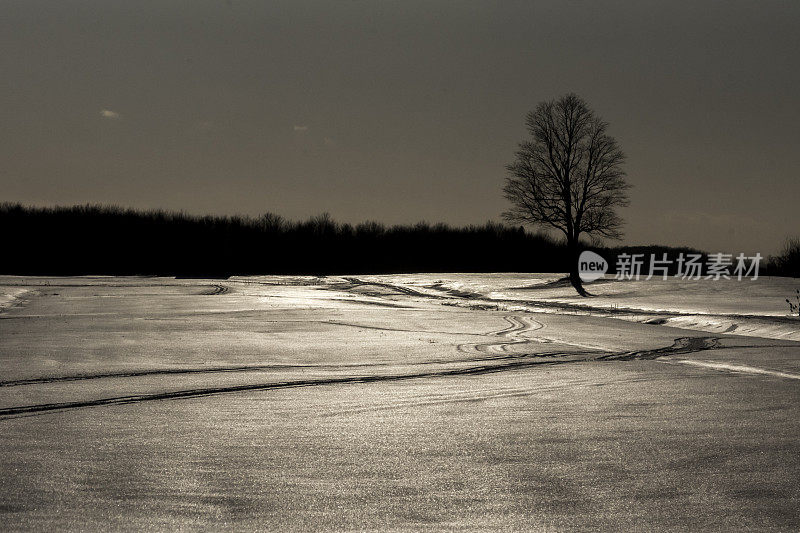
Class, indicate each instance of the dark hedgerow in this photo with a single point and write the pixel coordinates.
(113, 240)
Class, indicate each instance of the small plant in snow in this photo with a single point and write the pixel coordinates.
(794, 307)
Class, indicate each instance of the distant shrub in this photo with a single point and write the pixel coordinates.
(788, 262)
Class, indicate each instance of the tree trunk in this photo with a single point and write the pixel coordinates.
(574, 277)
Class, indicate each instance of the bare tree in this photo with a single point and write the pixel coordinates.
(568, 176)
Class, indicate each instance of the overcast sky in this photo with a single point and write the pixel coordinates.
(401, 111)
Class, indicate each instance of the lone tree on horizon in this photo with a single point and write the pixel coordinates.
(568, 176)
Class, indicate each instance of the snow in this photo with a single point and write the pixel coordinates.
(409, 402)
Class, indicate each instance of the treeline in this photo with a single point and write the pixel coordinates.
(111, 240)
(116, 241)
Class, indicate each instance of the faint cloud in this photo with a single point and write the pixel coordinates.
(204, 125)
(107, 113)
(300, 128)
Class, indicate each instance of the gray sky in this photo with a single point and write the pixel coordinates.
(401, 111)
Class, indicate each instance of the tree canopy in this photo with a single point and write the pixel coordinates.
(568, 176)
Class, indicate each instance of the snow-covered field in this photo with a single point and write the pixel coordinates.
(742, 307)
(426, 401)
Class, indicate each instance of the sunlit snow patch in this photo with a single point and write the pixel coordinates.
(739, 368)
(9, 295)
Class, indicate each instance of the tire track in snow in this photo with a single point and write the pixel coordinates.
(510, 335)
(11, 412)
(216, 290)
(510, 363)
(517, 325)
(263, 368)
